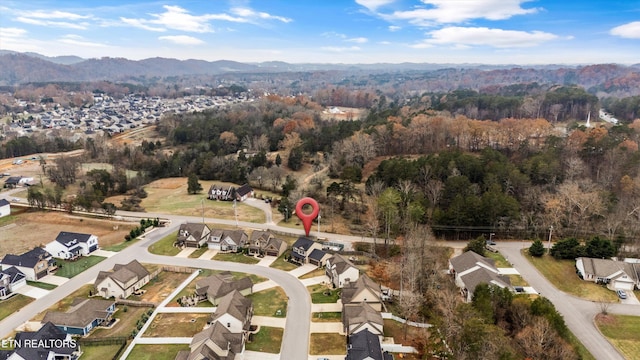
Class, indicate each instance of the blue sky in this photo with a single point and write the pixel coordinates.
(330, 31)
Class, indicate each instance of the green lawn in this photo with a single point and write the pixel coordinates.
(322, 294)
(165, 246)
(126, 323)
(41, 285)
(501, 262)
(156, 352)
(328, 344)
(198, 252)
(272, 302)
(99, 352)
(13, 304)
(562, 274)
(282, 264)
(623, 331)
(315, 273)
(326, 316)
(267, 340)
(121, 246)
(236, 257)
(69, 269)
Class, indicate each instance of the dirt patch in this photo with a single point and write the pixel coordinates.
(159, 288)
(170, 183)
(605, 319)
(35, 228)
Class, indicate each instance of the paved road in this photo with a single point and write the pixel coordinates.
(578, 313)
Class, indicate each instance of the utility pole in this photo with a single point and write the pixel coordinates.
(318, 222)
(550, 231)
(235, 210)
(202, 206)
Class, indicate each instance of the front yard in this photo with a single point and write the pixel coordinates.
(328, 344)
(71, 268)
(267, 340)
(272, 302)
(283, 264)
(156, 352)
(323, 294)
(326, 316)
(160, 287)
(236, 257)
(13, 304)
(176, 325)
(562, 274)
(165, 246)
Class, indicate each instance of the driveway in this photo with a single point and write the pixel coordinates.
(32, 291)
(578, 314)
(53, 279)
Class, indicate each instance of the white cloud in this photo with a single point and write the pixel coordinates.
(79, 41)
(54, 18)
(182, 39)
(482, 36)
(448, 11)
(12, 32)
(61, 24)
(178, 18)
(339, 49)
(629, 31)
(373, 5)
(41, 14)
(394, 28)
(358, 40)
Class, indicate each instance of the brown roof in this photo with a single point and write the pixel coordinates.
(219, 335)
(194, 229)
(218, 285)
(606, 268)
(483, 276)
(81, 313)
(364, 282)
(360, 314)
(470, 259)
(341, 263)
(124, 273)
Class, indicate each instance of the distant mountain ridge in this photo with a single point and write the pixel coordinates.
(21, 68)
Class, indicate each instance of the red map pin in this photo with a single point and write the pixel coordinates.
(307, 219)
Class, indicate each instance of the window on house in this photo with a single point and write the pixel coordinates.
(228, 324)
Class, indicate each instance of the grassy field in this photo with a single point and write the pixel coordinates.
(126, 323)
(272, 302)
(562, 274)
(41, 285)
(156, 352)
(326, 316)
(177, 325)
(121, 246)
(236, 257)
(99, 352)
(328, 344)
(13, 304)
(267, 340)
(501, 262)
(319, 294)
(282, 264)
(623, 332)
(165, 246)
(69, 269)
(198, 252)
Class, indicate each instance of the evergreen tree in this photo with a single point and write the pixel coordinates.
(193, 186)
(537, 248)
(477, 245)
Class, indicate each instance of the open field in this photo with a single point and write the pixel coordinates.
(20, 238)
(160, 287)
(623, 332)
(328, 344)
(13, 304)
(177, 325)
(562, 274)
(267, 340)
(170, 196)
(156, 351)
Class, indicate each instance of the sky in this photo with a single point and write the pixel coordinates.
(523, 32)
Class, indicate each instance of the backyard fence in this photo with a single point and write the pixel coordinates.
(135, 303)
(179, 269)
(404, 321)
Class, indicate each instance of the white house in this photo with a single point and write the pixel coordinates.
(70, 245)
(34, 264)
(10, 280)
(123, 281)
(471, 270)
(5, 208)
(341, 271)
(615, 274)
(234, 312)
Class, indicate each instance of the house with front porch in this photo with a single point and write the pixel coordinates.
(234, 311)
(340, 270)
(83, 316)
(614, 274)
(70, 245)
(34, 264)
(265, 243)
(226, 240)
(360, 317)
(302, 249)
(11, 279)
(193, 235)
(215, 287)
(363, 290)
(123, 281)
(470, 270)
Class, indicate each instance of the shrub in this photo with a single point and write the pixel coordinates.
(537, 248)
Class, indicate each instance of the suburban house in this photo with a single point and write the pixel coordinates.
(12, 182)
(230, 193)
(340, 270)
(10, 280)
(123, 281)
(471, 270)
(193, 235)
(234, 311)
(227, 333)
(265, 243)
(360, 317)
(83, 316)
(215, 287)
(365, 345)
(226, 240)
(56, 344)
(34, 264)
(70, 245)
(615, 274)
(224, 193)
(302, 249)
(244, 192)
(5, 208)
(362, 290)
(216, 343)
(275, 247)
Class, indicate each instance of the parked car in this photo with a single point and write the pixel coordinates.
(621, 294)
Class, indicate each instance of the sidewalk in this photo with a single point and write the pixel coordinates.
(207, 255)
(267, 261)
(54, 279)
(306, 268)
(323, 279)
(264, 285)
(331, 307)
(186, 252)
(31, 291)
(104, 253)
(268, 321)
(327, 327)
